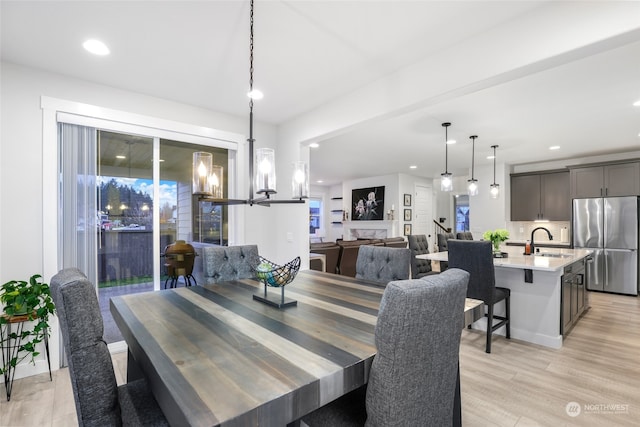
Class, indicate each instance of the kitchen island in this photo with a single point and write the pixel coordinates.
(536, 283)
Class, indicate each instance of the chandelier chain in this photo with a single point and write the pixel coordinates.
(251, 57)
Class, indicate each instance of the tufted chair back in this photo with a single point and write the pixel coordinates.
(442, 241)
(224, 263)
(464, 235)
(443, 247)
(382, 264)
(419, 245)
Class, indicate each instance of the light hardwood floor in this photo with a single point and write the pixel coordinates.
(518, 384)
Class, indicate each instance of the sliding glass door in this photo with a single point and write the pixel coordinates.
(125, 198)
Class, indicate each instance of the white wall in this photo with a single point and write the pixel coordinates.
(486, 213)
(22, 214)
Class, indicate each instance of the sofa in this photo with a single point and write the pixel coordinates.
(395, 242)
(331, 251)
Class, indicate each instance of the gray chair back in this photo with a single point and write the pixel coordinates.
(464, 235)
(382, 264)
(419, 245)
(443, 238)
(475, 257)
(414, 373)
(90, 368)
(224, 263)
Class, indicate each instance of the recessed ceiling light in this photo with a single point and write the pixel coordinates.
(413, 167)
(121, 157)
(491, 157)
(319, 181)
(637, 103)
(314, 145)
(554, 147)
(255, 94)
(96, 47)
(451, 141)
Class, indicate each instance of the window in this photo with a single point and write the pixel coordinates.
(315, 217)
(461, 207)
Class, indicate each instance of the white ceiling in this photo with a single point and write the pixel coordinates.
(308, 54)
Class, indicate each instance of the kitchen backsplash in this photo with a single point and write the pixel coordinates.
(521, 231)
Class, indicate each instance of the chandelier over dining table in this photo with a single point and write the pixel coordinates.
(208, 181)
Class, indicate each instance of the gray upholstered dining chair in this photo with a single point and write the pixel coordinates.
(224, 263)
(99, 400)
(383, 264)
(464, 235)
(413, 377)
(476, 257)
(419, 245)
(443, 239)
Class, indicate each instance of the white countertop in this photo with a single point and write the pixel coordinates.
(517, 259)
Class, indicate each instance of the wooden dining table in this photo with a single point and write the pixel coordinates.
(214, 356)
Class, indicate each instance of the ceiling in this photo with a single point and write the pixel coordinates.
(310, 54)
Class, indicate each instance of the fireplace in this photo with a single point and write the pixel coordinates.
(369, 229)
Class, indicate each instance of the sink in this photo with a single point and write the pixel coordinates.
(552, 255)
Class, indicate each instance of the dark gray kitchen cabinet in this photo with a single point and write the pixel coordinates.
(540, 196)
(620, 179)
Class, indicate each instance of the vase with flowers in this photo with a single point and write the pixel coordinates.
(496, 237)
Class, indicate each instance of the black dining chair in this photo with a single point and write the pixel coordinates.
(413, 379)
(99, 400)
(476, 257)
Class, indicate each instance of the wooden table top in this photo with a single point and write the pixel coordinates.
(215, 356)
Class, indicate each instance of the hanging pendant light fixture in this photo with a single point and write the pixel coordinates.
(494, 188)
(207, 178)
(446, 181)
(472, 186)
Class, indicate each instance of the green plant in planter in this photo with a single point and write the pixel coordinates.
(496, 237)
(31, 299)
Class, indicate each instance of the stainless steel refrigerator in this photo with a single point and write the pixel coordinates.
(609, 226)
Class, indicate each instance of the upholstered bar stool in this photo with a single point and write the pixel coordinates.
(476, 257)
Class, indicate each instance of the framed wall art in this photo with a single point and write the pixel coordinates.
(367, 204)
(407, 214)
(407, 229)
(407, 199)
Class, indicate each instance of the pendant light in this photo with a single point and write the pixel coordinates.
(472, 186)
(446, 181)
(494, 188)
(207, 178)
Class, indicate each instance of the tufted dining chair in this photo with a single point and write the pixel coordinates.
(464, 235)
(99, 400)
(443, 239)
(383, 264)
(419, 245)
(224, 263)
(413, 379)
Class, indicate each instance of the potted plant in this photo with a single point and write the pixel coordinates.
(496, 237)
(24, 301)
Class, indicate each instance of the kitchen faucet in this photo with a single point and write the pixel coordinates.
(533, 232)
